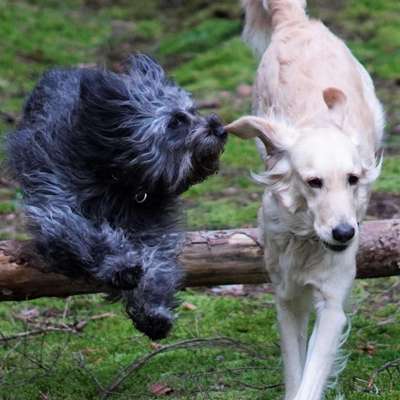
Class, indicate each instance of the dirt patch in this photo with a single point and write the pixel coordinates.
(384, 206)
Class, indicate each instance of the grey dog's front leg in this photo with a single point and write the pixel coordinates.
(151, 303)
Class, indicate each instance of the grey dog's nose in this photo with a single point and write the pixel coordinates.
(343, 233)
(215, 126)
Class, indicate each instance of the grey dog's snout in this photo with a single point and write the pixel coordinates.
(215, 126)
(343, 232)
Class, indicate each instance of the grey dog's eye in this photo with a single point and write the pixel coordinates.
(178, 120)
(353, 179)
(315, 183)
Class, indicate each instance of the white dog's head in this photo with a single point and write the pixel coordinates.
(319, 170)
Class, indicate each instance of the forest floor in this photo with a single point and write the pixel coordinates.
(84, 342)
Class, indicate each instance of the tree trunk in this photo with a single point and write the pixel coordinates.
(209, 258)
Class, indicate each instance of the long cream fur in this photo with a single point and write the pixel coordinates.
(317, 117)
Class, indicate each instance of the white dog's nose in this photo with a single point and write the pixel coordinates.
(343, 233)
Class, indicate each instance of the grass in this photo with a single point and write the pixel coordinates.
(200, 45)
(389, 180)
(45, 37)
(69, 361)
(209, 33)
(374, 34)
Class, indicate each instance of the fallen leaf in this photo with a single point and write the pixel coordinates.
(88, 351)
(368, 348)
(44, 396)
(28, 314)
(160, 389)
(189, 306)
(155, 346)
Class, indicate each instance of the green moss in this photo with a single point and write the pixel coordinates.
(206, 35)
(221, 68)
(223, 213)
(389, 181)
(37, 38)
(242, 153)
(199, 41)
(7, 207)
(107, 345)
(148, 29)
(374, 35)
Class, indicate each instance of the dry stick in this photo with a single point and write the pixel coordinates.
(21, 335)
(7, 117)
(385, 367)
(80, 358)
(66, 308)
(215, 372)
(81, 324)
(184, 344)
(207, 104)
(75, 328)
(263, 387)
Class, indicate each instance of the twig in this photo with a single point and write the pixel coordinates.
(7, 117)
(385, 367)
(73, 328)
(81, 324)
(207, 104)
(185, 344)
(262, 387)
(221, 379)
(5, 339)
(66, 308)
(24, 353)
(214, 371)
(80, 359)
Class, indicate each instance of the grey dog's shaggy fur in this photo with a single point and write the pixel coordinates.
(101, 158)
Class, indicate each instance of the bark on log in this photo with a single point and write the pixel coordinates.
(209, 258)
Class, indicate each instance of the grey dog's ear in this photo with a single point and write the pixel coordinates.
(143, 67)
(275, 136)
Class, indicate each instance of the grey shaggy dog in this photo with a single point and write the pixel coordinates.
(102, 158)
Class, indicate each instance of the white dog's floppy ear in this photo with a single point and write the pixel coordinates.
(275, 136)
(336, 102)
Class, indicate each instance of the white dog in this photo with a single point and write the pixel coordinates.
(321, 125)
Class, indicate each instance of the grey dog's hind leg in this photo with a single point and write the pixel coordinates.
(70, 243)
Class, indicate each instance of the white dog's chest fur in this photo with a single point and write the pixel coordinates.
(295, 259)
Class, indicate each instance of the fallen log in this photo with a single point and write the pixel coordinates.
(209, 258)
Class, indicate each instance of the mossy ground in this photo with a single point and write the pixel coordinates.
(199, 43)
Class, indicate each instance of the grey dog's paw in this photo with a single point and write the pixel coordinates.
(155, 323)
(127, 278)
(122, 271)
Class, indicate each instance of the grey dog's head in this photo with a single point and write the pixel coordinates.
(146, 129)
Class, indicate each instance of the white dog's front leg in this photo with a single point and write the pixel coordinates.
(293, 320)
(330, 323)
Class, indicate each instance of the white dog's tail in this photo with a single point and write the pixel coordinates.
(263, 16)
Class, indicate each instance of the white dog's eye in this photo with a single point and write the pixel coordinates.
(315, 183)
(353, 179)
